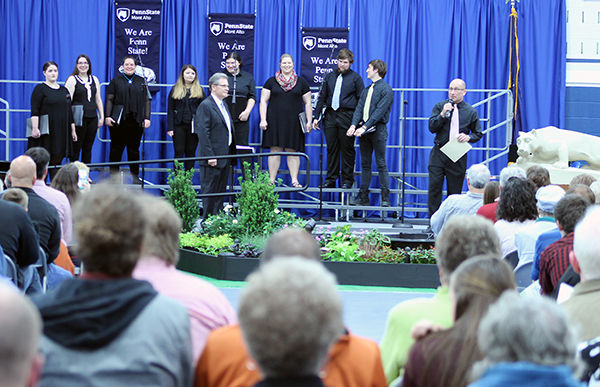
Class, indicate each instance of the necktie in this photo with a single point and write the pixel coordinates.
(227, 121)
(368, 104)
(454, 124)
(335, 100)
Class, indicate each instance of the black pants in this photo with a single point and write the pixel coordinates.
(441, 166)
(374, 142)
(44, 142)
(127, 134)
(185, 143)
(336, 126)
(242, 131)
(213, 179)
(86, 134)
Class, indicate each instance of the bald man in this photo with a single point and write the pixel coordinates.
(22, 174)
(20, 330)
(452, 113)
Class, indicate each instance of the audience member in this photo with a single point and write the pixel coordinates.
(584, 191)
(16, 195)
(445, 358)
(547, 197)
(585, 259)
(108, 329)
(18, 237)
(41, 158)
(467, 204)
(43, 214)
(66, 180)
(516, 211)
(290, 314)
(20, 330)
(489, 210)
(582, 178)
(491, 192)
(352, 361)
(595, 187)
(538, 176)
(463, 237)
(525, 341)
(207, 307)
(554, 260)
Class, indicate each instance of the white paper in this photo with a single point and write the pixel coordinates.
(455, 150)
(564, 293)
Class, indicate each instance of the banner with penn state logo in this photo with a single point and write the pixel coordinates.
(137, 33)
(227, 33)
(320, 47)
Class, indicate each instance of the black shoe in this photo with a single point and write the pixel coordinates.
(361, 200)
(385, 202)
(347, 185)
(327, 184)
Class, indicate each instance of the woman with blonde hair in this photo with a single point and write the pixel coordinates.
(184, 99)
(282, 99)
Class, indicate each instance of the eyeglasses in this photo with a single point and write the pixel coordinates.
(455, 89)
(82, 63)
(225, 85)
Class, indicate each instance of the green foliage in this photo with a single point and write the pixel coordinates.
(212, 245)
(421, 255)
(257, 202)
(223, 223)
(182, 195)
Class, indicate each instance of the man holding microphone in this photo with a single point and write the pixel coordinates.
(450, 119)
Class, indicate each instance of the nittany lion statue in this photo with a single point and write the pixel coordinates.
(556, 147)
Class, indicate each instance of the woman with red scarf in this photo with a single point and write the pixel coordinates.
(283, 97)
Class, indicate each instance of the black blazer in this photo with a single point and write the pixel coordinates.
(175, 109)
(213, 136)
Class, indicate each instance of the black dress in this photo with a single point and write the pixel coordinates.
(283, 124)
(56, 103)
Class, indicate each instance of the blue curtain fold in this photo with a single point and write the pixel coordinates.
(426, 43)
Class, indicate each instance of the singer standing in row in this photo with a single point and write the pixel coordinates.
(85, 91)
(241, 98)
(451, 118)
(52, 101)
(184, 99)
(336, 103)
(127, 115)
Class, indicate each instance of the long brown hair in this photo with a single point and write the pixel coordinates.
(476, 284)
(76, 71)
(66, 180)
(179, 90)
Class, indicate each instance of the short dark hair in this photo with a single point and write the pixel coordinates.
(380, 66)
(41, 158)
(346, 54)
(236, 56)
(128, 57)
(569, 210)
(538, 175)
(48, 64)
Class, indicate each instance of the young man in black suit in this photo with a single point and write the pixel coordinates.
(214, 127)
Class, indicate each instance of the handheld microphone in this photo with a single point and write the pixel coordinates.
(449, 112)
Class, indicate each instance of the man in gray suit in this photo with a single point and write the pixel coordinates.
(214, 127)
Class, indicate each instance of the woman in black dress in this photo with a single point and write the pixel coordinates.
(241, 98)
(54, 101)
(127, 113)
(184, 99)
(85, 91)
(288, 94)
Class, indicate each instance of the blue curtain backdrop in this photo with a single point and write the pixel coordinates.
(426, 43)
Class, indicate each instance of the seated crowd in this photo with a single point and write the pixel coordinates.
(131, 318)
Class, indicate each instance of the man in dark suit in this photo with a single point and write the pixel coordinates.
(214, 127)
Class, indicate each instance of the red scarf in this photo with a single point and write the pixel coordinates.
(288, 84)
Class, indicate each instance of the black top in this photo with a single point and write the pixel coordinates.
(297, 381)
(80, 96)
(181, 111)
(283, 124)
(56, 103)
(46, 221)
(352, 87)
(467, 118)
(245, 89)
(131, 95)
(380, 107)
(17, 234)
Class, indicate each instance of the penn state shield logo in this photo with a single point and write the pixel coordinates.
(216, 28)
(309, 42)
(123, 14)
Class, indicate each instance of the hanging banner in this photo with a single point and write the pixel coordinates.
(320, 47)
(137, 33)
(228, 33)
